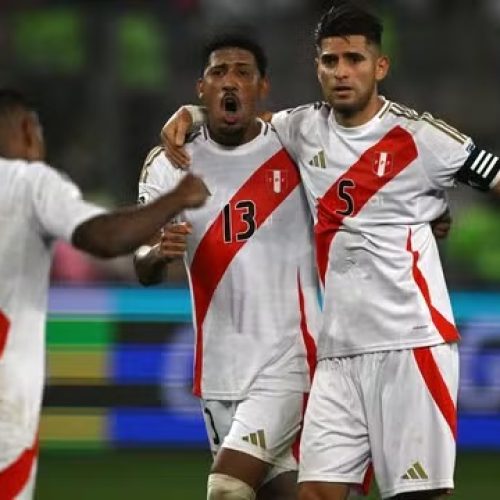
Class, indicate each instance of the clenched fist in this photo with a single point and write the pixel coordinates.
(192, 190)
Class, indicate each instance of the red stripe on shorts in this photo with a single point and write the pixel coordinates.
(214, 254)
(437, 386)
(446, 329)
(15, 477)
(359, 184)
(309, 341)
(296, 443)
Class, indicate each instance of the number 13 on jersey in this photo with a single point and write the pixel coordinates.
(239, 222)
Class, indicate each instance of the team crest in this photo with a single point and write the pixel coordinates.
(383, 163)
(276, 180)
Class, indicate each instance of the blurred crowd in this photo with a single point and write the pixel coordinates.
(106, 75)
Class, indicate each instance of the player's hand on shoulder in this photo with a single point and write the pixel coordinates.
(192, 190)
(173, 241)
(442, 225)
(173, 137)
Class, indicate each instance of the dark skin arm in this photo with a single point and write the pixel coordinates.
(151, 268)
(173, 136)
(122, 231)
(441, 226)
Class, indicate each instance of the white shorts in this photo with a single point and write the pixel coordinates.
(265, 425)
(395, 409)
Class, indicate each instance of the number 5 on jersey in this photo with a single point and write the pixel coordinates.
(343, 188)
(239, 221)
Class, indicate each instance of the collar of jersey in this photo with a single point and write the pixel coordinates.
(241, 149)
(365, 127)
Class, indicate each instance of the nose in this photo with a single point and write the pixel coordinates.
(230, 81)
(341, 69)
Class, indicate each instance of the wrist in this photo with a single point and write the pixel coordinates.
(151, 253)
(142, 252)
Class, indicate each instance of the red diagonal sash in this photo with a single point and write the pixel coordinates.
(4, 330)
(214, 254)
(362, 184)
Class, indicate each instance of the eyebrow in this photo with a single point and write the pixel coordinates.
(349, 53)
(237, 63)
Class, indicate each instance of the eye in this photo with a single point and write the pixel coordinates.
(245, 72)
(328, 60)
(355, 58)
(217, 71)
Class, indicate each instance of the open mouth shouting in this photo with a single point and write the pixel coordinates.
(230, 106)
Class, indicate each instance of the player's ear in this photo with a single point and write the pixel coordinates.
(200, 89)
(32, 137)
(27, 130)
(316, 63)
(264, 87)
(382, 67)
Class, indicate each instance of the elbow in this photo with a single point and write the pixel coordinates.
(98, 243)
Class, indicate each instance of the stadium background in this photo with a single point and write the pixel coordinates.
(119, 420)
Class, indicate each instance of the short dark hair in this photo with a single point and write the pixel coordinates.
(13, 100)
(347, 17)
(239, 41)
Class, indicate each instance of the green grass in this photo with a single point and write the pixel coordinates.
(182, 475)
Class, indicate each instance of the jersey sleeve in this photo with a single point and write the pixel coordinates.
(293, 124)
(283, 124)
(158, 176)
(450, 156)
(57, 203)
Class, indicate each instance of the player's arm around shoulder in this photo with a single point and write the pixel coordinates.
(176, 130)
(151, 260)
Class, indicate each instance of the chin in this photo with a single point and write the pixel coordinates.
(344, 107)
(232, 129)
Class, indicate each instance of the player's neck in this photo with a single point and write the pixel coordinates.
(362, 116)
(239, 138)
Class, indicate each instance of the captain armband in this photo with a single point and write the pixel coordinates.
(481, 170)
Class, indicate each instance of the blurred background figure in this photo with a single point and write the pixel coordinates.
(107, 75)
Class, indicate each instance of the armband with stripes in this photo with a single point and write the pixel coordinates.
(481, 170)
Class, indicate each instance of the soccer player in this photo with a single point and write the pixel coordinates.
(38, 205)
(376, 172)
(252, 276)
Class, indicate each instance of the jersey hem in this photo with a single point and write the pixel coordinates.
(240, 396)
(330, 478)
(384, 347)
(301, 387)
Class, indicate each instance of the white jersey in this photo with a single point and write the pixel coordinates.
(37, 205)
(250, 264)
(375, 189)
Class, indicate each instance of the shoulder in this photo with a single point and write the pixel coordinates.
(300, 119)
(39, 176)
(156, 166)
(425, 126)
(304, 111)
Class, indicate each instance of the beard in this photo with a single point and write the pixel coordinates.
(351, 108)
